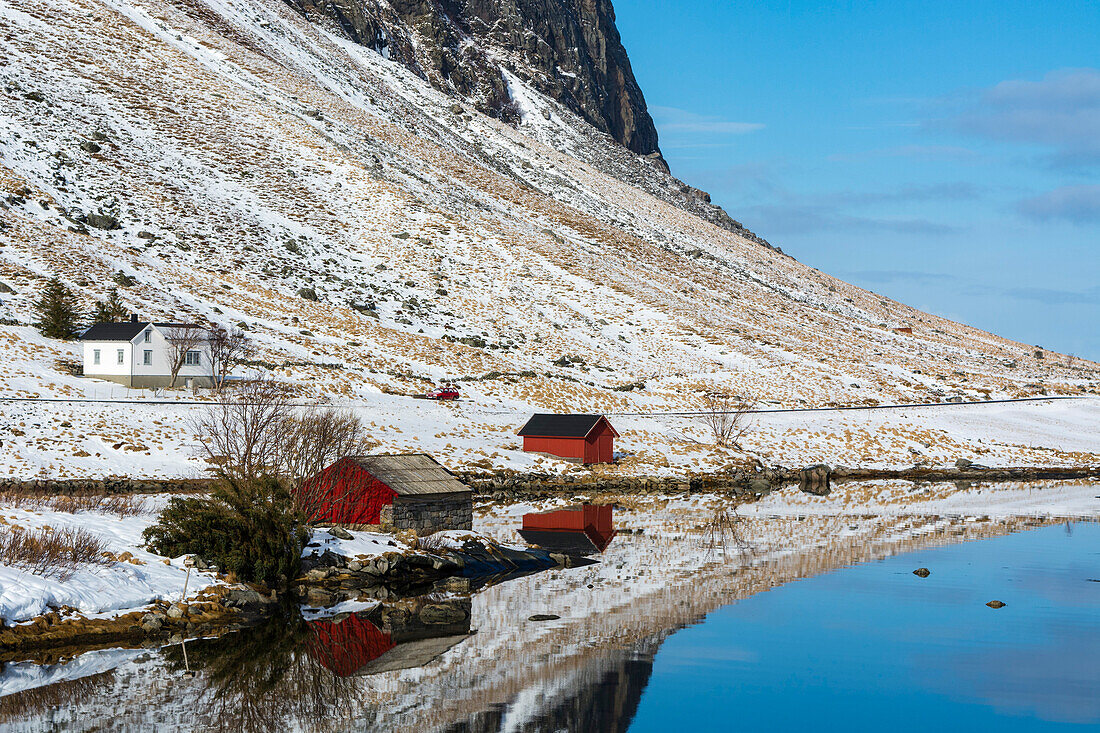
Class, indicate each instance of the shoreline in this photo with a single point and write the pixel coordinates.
(490, 483)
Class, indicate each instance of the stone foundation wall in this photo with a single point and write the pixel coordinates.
(431, 515)
(149, 381)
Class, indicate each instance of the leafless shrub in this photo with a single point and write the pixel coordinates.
(225, 348)
(121, 505)
(51, 553)
(434, 543)
(725, 530)
(726, 418)
(312, 441)
(24, 500)
(182, 338)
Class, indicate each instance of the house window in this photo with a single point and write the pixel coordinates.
(193, 358)
(148, 360)
(121, 356)
(148, 336)
(95, 356)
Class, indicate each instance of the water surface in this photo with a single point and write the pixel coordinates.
(874, 646)
(867, 647)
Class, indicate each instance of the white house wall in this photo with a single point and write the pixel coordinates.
(133, 372)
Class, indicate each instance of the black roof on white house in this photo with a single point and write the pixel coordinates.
(123, 330)
(562, 426)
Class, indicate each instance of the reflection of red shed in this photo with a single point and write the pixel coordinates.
(346, 646)
(582, 529)
(409, 491)
(581, 438)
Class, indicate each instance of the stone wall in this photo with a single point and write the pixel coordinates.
(430, 515)
(105, 486)
(511, 485)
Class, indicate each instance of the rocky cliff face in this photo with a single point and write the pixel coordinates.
(569, 50)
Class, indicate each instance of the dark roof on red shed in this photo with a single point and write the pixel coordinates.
(411, 474)
(563, 426)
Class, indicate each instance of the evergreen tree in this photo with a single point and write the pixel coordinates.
(58, 311)
(111, 311)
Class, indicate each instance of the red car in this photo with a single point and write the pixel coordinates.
(446, 392)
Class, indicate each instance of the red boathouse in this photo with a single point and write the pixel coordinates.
(410, 491)
(580, 530)
(580, 438)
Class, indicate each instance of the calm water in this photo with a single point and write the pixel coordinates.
(864, 648)
(875, 646)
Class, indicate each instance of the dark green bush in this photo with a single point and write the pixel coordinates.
(248, 527)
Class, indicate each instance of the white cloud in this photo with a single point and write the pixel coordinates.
(1078, 204)
(671, 119)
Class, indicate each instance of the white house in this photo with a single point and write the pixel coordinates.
(139, 354)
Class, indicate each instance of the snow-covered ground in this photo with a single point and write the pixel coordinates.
(78, 440)
(95, 590)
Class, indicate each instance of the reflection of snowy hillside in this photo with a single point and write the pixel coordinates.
(655, 578)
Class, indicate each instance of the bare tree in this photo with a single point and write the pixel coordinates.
(245, 431)
(320, 436)
(726, 417)
(316, 439)
(252, 431)
(182, 339)
(225, 348)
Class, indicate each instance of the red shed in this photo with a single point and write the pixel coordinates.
(580, 530)
(581, 438)
(410, 491)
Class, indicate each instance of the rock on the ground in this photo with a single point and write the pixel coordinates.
(340, 533)
(814, 480)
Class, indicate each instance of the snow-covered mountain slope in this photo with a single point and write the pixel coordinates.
(229, 154)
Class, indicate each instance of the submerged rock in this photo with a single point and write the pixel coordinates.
(441, 613)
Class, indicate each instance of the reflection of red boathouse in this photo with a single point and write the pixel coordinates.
(580, 530)
(346, 646)
(389, 637)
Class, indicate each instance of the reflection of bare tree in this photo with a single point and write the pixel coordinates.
(726, 529)
(265, 678)
(38, 700)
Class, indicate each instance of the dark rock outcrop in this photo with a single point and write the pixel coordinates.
(569, 50)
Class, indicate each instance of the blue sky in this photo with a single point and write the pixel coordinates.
(946, 154)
